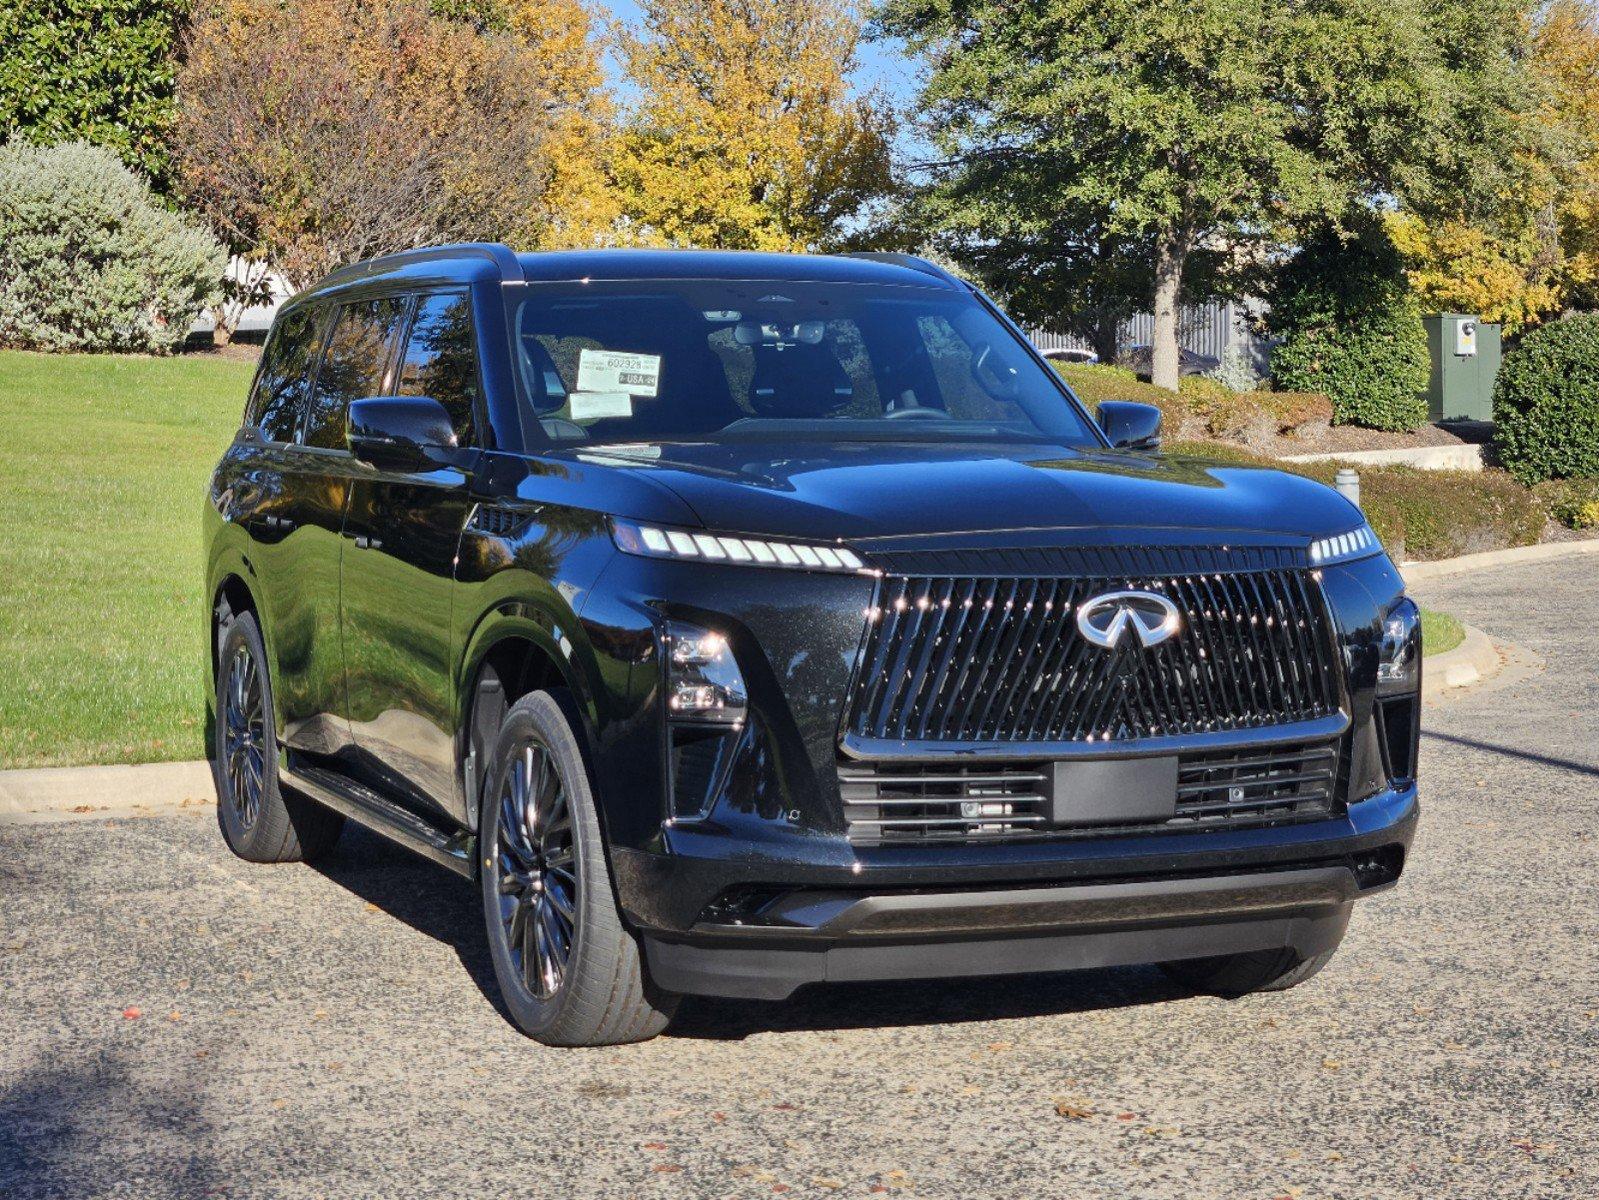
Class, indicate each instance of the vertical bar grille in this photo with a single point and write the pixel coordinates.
(1000, 659)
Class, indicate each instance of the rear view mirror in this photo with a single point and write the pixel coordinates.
(995, 374)
(1130, 426)
(396, 432)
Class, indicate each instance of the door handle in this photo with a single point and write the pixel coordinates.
(363, 542)
(283, 523)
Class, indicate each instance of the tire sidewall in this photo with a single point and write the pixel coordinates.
(242, 630)
(538, 718)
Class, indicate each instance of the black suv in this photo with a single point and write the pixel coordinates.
(744, 621)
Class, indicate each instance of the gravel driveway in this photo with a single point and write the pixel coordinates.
(331, 1031)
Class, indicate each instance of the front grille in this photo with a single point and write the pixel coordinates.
(886, 804)
(999, 659)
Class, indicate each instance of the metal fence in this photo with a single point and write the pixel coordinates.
(1206, 329)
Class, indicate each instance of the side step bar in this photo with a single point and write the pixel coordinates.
(383, 817)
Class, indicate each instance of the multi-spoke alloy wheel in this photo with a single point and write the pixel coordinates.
(261, 821)
(537, 870)
(244, 737)
(570, 972)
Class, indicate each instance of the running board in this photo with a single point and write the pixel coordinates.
(383, 817)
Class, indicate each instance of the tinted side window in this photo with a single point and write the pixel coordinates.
(352, 367)
(285, 376)
(441, 358)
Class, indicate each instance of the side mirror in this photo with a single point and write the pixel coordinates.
(396, 432)
(1130, 426)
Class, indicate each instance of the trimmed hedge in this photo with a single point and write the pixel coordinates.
(1574, 503)
(1094, 383)
(1352, 330)
(1546, 402)
(1422, 514)
(90, 261)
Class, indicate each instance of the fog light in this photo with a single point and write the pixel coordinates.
(703, 683)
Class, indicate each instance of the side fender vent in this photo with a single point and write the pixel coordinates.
(497, 521)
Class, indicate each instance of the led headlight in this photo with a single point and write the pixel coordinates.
(1344, 547)
(1399, 658)
(703, 683)
(659, 541)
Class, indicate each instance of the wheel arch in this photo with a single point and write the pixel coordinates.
(516, 649)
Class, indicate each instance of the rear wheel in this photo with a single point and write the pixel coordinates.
(260, 821)
(1233, 975)
(570, 973)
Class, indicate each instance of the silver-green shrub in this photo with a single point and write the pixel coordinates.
(90, 260)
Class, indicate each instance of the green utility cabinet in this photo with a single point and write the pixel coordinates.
(1465, 361)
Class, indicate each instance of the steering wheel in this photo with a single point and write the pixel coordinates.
(917, 414)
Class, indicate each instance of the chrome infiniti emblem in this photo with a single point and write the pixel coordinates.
(1106, 619)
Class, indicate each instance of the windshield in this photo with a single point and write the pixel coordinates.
(695, 360)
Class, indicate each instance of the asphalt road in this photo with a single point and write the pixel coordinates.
(331, 1031)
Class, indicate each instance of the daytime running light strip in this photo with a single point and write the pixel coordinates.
(1357, 543)
(657, 542)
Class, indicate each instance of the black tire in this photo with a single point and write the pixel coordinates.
(260, 821)
(570, 973)
(1234, 975)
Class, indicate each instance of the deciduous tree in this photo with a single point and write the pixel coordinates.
(1200, 127)
(313, 133)
(744, 132)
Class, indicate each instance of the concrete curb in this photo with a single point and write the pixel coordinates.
(1415, 572)
(60, 793)
(1476, 659)
(1466, 457)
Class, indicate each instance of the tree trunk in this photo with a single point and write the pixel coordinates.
(221, 330)
(1165, 363)
(1104, 340)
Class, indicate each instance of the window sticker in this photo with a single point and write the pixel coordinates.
(593, 406)
(616, 371)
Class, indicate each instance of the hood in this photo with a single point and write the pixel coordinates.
(870, 490)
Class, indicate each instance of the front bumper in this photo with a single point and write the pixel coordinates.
(1023, 907)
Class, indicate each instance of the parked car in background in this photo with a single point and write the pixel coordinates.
(739, 622)
(1139, 358)
(1070, 354)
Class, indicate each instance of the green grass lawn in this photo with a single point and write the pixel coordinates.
(1439, 632)
(103, 464)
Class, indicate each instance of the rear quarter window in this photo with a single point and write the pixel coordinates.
(284, 379)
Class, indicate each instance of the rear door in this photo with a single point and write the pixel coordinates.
(355, 362)
(402, 534)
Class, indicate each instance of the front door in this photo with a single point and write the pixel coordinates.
(401, 538)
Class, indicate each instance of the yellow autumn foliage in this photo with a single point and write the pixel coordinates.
(744, 132)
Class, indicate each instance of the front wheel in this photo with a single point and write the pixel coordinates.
(570, 973)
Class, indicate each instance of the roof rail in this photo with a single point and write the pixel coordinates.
(913, 262)
(502, 256)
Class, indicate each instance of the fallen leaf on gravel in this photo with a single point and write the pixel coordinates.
(655, 1145)
(1529, 1145)
(174, 1015)
(182, 985)
(280, 1103)
(831, 1185)
(1161, 1131)
(718, 1116)
(666, 1168)
(971, 1089)
(780, 1187)
(320, 1014)
(999, 1047)
(1422, 1010)
(82, 808)
(1332, 1064)
(335, 1066)
(132, 1013)
(202, 1054)
(1127, 1116)
(785, 1106)
(370, 907)
(1073, 1110)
